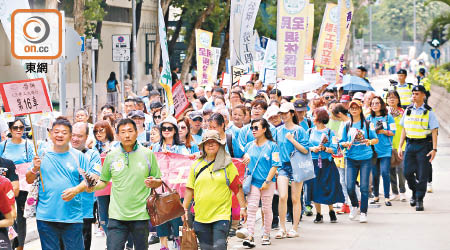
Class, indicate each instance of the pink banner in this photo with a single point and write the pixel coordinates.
(21, 171)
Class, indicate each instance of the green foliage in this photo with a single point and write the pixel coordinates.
(94, 11)
(440, 76)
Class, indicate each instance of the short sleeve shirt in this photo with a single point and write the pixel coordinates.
(212, 195)
(267, 156)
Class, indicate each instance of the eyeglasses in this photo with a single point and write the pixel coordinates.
(375, 103)
(99, 131)
(170, 129)
(18, 128)
(330, 97)
(198, 119)
(182, 127)
(254, 128)
(157, 117)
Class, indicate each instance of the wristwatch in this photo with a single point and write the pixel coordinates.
(267, 182)
(435, 149)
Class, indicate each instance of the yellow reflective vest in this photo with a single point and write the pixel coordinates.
(416, 124)
(405, 94)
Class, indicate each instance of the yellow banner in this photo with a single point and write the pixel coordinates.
(203, 40)
(291, 38)
(326, 45)
(345, 19)
(309, 30)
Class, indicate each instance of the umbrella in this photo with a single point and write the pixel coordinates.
(294, 87)
(354, 83)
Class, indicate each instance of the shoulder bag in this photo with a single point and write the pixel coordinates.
(247, 185)
(302, 165)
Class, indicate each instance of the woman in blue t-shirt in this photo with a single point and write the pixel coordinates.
(385, 129)
(326, 187)
(358, 136)
(262, 159)
(21, 152)
(289, 137)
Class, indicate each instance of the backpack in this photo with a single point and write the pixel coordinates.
(111, 85)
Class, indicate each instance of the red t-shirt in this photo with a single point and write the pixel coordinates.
(6, 195)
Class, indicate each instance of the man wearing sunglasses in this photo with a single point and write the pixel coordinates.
(328, 96)
(196, 120)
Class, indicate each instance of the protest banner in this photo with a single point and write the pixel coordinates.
(26, 97)
(214, 67)
(165, 79)
(270, 76)
(291, 38)
(326, 45)
(175, 169)
(345, 19)
(203, 40)
(244, 79)
(329, 75)
(180, 101)
(236, 73)
(309, 30)
(242, 19)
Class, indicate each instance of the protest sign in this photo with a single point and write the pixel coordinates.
(326, 45)
(309, 66)
(180, 101)
(204, 56)
(214, 67)
(309, 30)
(345, 19)
(242, 19)
(165, 79)
(270, 76)
(25, 97)
(244, 79)
(291, 38)
(329, 75)
(236, 73)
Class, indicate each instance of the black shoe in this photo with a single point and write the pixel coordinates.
(275, 226)
(308, 211)
(412, 202)
(388, 203)
(232, 232)
(419, 206)
(153, 239)
(319, 218)
(333, 218)
(250, 242)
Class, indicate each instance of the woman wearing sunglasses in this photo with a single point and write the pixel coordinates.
(262, 159)
(358, 136)
(326, 187)
(170, 142)
(290, 136)
(385, 129)
(20, 151)
(185, 135)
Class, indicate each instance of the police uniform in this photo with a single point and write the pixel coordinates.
(418, 123)
(404, 91)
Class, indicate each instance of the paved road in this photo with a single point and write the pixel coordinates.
(398, 227)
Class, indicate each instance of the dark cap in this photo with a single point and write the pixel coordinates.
(155, 105)
(420, 88)
(136, 113)
(362, 68)
(402, 72)
(195, 114)
(300, 105)
(189, 88)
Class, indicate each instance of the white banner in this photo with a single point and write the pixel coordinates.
(215, 58)
(242, 19)
(166, 75)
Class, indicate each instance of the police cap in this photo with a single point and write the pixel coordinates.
(402, 72)
(420, 88)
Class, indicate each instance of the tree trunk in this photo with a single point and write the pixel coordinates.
(138, 23)
(176, 34)
(157, 47)
(52, 75)
(191, 48)
(225, 53)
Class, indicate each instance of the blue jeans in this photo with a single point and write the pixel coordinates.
(363, 167)
(212, 236)
(164, 229)
(119, 231)
(103, 206)
(343, 182)
(71, 235)
(384, 164)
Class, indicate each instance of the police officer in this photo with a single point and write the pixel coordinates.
(403, 88)
(420, 129)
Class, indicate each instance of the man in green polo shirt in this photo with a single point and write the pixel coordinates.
(134, 171)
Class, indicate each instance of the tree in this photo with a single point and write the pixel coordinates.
(157, 47)
(441, 21)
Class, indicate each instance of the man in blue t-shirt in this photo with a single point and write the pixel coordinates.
(59, 213)
(79, 137)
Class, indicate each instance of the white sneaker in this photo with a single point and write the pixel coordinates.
(363, 218)
(395, 197)
(403, 197)
(430, 187)
(242, 233)
(353, 213)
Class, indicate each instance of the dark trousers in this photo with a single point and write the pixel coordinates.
(275, 201)
(118, 232)
(416, 167)
(87, 233)
(21, 222)
(212, 236)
